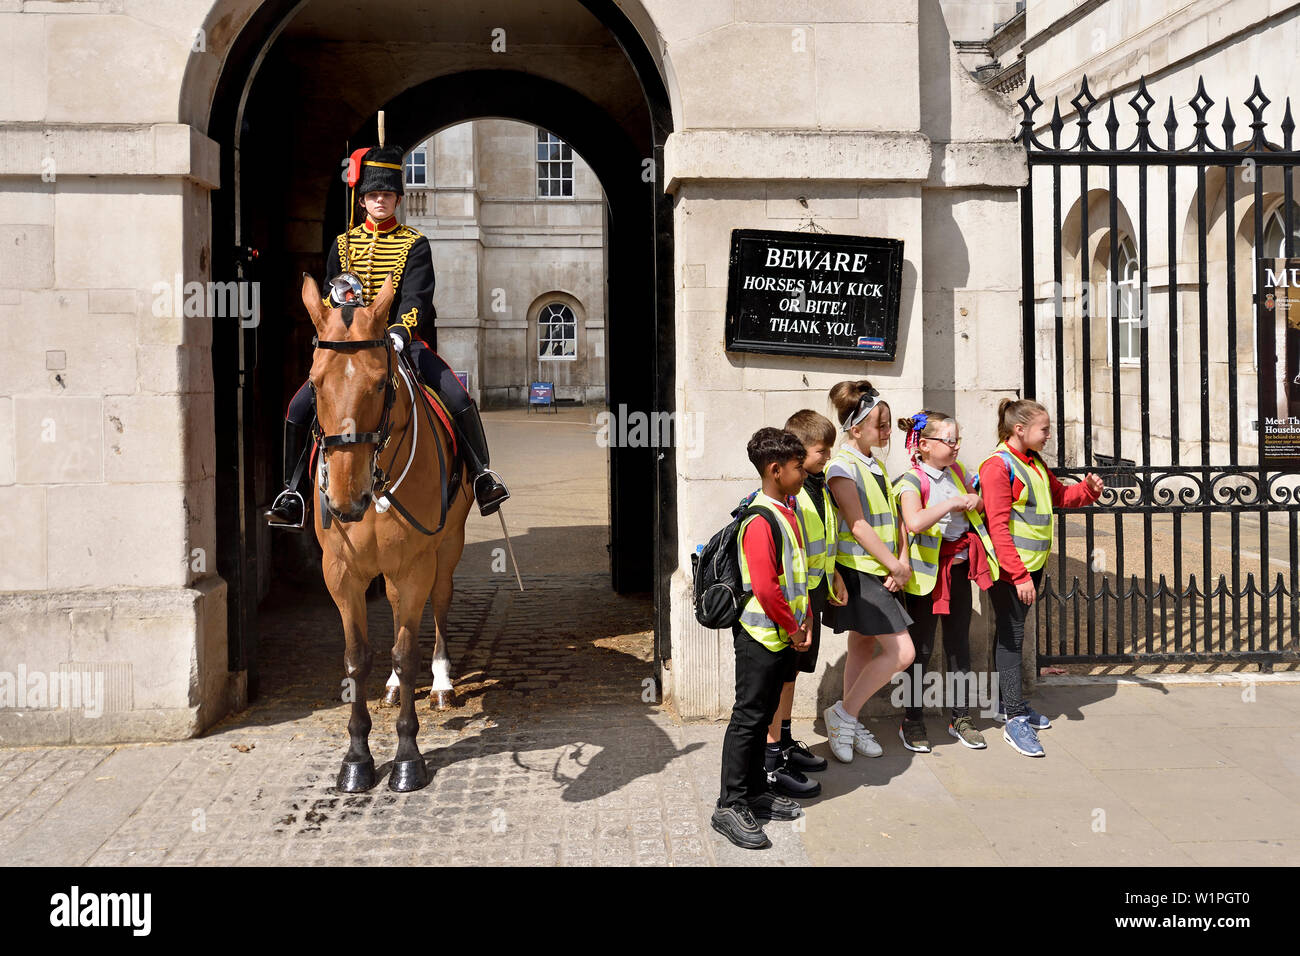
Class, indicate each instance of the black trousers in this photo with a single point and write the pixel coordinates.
(760, 673)
(1011, 614)
(956, 640)
(436, 372)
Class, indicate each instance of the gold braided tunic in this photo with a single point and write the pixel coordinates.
(391, 248)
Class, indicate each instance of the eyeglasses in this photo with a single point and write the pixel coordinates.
(950, 442)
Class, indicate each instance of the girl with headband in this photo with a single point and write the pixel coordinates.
(868, 544)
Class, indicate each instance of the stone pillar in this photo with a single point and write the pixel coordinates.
(456, 242)
(107, 489)
(904, 146)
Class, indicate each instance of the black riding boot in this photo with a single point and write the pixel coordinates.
(291, 506)
(489, 491)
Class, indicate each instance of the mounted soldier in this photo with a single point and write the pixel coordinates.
(358, 262)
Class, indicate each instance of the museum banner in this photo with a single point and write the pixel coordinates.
(1279, 365)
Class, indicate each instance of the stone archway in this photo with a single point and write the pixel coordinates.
(287, 202)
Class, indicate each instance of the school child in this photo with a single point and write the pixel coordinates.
(773, 625)
(1019, 492)
(949, 548)
(867, 543)
(787, 761)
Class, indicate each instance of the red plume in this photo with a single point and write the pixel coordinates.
(354, 165)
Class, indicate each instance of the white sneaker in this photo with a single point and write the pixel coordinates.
(864, 743)
(840, 733)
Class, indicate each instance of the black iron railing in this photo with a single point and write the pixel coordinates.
(1154, 502)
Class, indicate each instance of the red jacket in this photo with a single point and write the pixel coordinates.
(999, 492)
(764, 558)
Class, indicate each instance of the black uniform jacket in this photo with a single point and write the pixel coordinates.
(398, 250)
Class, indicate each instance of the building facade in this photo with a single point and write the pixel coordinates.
(147, 150)
(516, 223)
(1175, 47)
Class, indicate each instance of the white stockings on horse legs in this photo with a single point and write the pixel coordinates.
(441, 667)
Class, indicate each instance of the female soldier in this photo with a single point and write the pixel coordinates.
(357, 264)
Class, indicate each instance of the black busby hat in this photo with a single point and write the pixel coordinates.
(381, 171)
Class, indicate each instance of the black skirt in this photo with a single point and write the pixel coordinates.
(871, 608)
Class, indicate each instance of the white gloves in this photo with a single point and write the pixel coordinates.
(399, 343)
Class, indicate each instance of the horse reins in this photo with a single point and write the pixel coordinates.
(381, 437)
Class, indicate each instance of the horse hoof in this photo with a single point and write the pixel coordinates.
(392, 696)
(356, 776)
(442, 699)
(408, 775)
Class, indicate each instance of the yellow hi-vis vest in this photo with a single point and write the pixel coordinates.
(818, 535)
(1032, 520)
(923, 547)
(793, 580)
(878, 508)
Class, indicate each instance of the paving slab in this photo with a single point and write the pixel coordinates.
(1228, 803)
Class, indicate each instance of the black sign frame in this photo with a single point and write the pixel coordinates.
(743, 305)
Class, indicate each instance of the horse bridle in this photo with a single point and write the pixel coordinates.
(379, 438)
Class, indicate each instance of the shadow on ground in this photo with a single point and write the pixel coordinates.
(564, 663)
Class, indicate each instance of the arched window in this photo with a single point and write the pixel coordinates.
(557, 333)
(1275, 233)
(1126, 299)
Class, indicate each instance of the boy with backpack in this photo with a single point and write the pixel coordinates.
(774, 623)
(787, 760)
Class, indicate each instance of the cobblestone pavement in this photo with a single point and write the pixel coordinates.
(556, 752)
(551, 757)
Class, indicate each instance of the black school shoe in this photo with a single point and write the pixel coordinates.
(738, 825)
(770, 805)
(798, 756)
(787, 780)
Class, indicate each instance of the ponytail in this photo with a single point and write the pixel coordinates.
(1016, 411)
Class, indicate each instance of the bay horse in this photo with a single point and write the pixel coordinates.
(365, 530)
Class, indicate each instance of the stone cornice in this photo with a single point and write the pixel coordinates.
(721, 155)
(160, 149)
(862, 157)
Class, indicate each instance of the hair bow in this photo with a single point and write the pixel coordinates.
(919, 421)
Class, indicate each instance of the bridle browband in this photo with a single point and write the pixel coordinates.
(383, 434)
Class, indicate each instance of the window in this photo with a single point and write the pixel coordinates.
(557, 333)
(1275, 233)
(554, 166)
(1125, 295)
(417, 167)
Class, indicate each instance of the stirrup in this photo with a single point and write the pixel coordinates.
(491, 505)
(273, 517)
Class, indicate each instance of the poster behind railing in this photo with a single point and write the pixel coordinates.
(1279, 353)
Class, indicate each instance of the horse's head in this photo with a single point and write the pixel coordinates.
(351, 394)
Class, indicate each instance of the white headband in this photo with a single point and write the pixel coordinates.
(865, 405)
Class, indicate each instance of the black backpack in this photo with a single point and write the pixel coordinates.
(719, 593)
